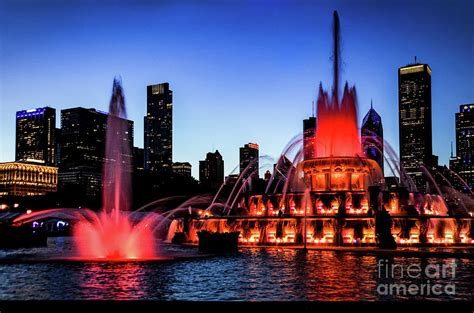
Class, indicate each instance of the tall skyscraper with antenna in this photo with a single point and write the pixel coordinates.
(415, 128)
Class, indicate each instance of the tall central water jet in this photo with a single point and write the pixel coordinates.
(337, 131)
(111, 234)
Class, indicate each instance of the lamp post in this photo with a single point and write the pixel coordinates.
(305, 234)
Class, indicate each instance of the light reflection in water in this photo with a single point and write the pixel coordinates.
(118, 280)
(253, 274)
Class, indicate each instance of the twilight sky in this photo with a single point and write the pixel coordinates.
(241, 71)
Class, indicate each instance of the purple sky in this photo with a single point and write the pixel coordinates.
(241, 71)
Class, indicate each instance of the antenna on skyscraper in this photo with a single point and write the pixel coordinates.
(415, 59)
(452, 150)
(313, 109)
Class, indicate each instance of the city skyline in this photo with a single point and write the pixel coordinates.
(277, 105)
(296, 151)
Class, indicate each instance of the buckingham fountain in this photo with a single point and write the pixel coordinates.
(336, 198)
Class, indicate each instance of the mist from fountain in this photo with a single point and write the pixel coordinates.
(112, 235)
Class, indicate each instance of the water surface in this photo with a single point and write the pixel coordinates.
(252, 274)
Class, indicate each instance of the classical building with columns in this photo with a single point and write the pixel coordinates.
(25, 179)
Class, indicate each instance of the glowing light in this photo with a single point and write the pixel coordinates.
(348, 238)
(111, 234)
(337, 127)
(414, 238)
(414, 69)
(28, 211)
(16, 205)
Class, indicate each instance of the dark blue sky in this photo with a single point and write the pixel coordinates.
(241, 71)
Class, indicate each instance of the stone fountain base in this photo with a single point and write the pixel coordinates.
(218, 242)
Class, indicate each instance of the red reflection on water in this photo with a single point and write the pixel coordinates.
(122, 281)
(113, 238)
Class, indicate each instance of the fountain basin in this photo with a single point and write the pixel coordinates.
(22, 236)
(218, 242)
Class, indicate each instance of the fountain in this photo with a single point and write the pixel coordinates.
(338, 197)
(114, 233)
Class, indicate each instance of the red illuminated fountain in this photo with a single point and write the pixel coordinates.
(339, 164)
(111, 234)
(337, 129)
(115, 233)
(335, 197)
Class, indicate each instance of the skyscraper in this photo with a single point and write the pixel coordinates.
(36, 136)
(159, 129)
(309, 138)
(211, 171)
(372, 136)
(83, 135)
(414, 104)
(138, 159)
(249, 158)
(465, 143)
(182, 168)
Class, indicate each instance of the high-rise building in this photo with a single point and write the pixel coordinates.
(83, 136)
(372, 137)
(138, 158)
(35, 136)
(211, 170)
(57, 133)
(18, 179)
(464, 163)
(309, 138)
(415, 130)
(158, 124)
(249, 161)
(182, 168)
